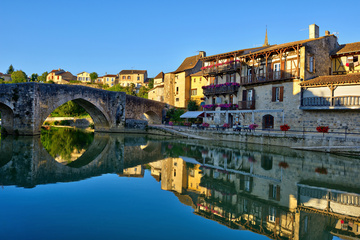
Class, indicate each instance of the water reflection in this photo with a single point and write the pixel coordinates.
(273, 191)
(65, 144)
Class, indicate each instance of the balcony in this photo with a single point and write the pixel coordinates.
(269, 77)
(221, 90)
(247, 105)
(343, 102)
(222, 69)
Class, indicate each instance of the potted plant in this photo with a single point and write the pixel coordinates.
(323, 129)
(284, 128)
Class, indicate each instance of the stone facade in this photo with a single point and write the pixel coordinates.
(25, 106)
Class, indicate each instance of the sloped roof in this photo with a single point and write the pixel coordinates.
(133, 72)
(67, 76)
(110, 75)
(197, 74)
(188, 63)
(347, 48)
(333, 79)
(263, 49)
(160, 75)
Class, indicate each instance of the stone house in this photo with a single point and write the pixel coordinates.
(157, 93)
(197, 81)
(84, 77)
(137, 77)
(109, 79)
(334, 100)
(262, 85)
(60, 76)
(175, 87)
(182, 79)
(5, 77)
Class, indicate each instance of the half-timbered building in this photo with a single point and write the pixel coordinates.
(261, 85)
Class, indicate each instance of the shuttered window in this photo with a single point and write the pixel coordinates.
(277, 94)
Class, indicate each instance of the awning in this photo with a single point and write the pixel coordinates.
(193, 114)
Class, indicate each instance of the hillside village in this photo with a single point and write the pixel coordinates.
(313, 82)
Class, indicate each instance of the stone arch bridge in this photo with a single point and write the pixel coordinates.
(25, 106)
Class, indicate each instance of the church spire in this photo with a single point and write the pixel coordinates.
(266, 43)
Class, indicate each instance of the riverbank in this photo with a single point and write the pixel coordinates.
(310, 141)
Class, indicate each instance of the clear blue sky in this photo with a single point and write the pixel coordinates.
(112, 35)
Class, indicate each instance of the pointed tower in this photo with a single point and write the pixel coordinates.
(266, 43)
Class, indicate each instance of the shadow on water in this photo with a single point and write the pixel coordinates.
(273, 191)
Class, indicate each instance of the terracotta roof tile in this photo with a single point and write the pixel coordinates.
(333, 79)
(197, 74)
(188, 63)
(347, 48)
(263, 49)
(133, 72)
(160, 75)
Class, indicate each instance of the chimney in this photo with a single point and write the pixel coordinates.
(202, 54)
(327, 33)
(313, 31)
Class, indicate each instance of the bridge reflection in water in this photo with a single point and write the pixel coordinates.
(272, 191)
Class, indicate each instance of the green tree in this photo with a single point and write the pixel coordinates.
(93, 76)
(10, 70)
(43, 76)
(192, 106)
(69, 109)
(174, 114)
(34, 77)
(143, 92)
(151, 83)
(18, 77)
(131, 90)
(117, 88)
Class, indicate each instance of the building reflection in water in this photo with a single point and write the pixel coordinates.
(280, 195)
(273, 191)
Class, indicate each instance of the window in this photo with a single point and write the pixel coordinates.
(112, 79)
(311, 62)
(272, 214)
(107, 79)
(129, 77)
(274, 192)
(276, 69)
(194, 80)
(123, 77)
(138, 78)
(177, 99)
(177, 90)
(193, 92)
(174, 172)
(277, 94)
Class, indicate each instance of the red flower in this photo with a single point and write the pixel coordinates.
(323, 129)
(284, 127)
(283, 165)
(321, 170)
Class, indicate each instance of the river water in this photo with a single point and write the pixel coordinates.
(71, 184)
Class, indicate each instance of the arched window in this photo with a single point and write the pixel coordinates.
(268, 121)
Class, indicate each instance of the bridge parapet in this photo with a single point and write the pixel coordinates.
(25, 106)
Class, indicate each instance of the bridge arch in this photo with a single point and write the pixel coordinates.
(7, 118)
(99, 116)
(152, 117)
